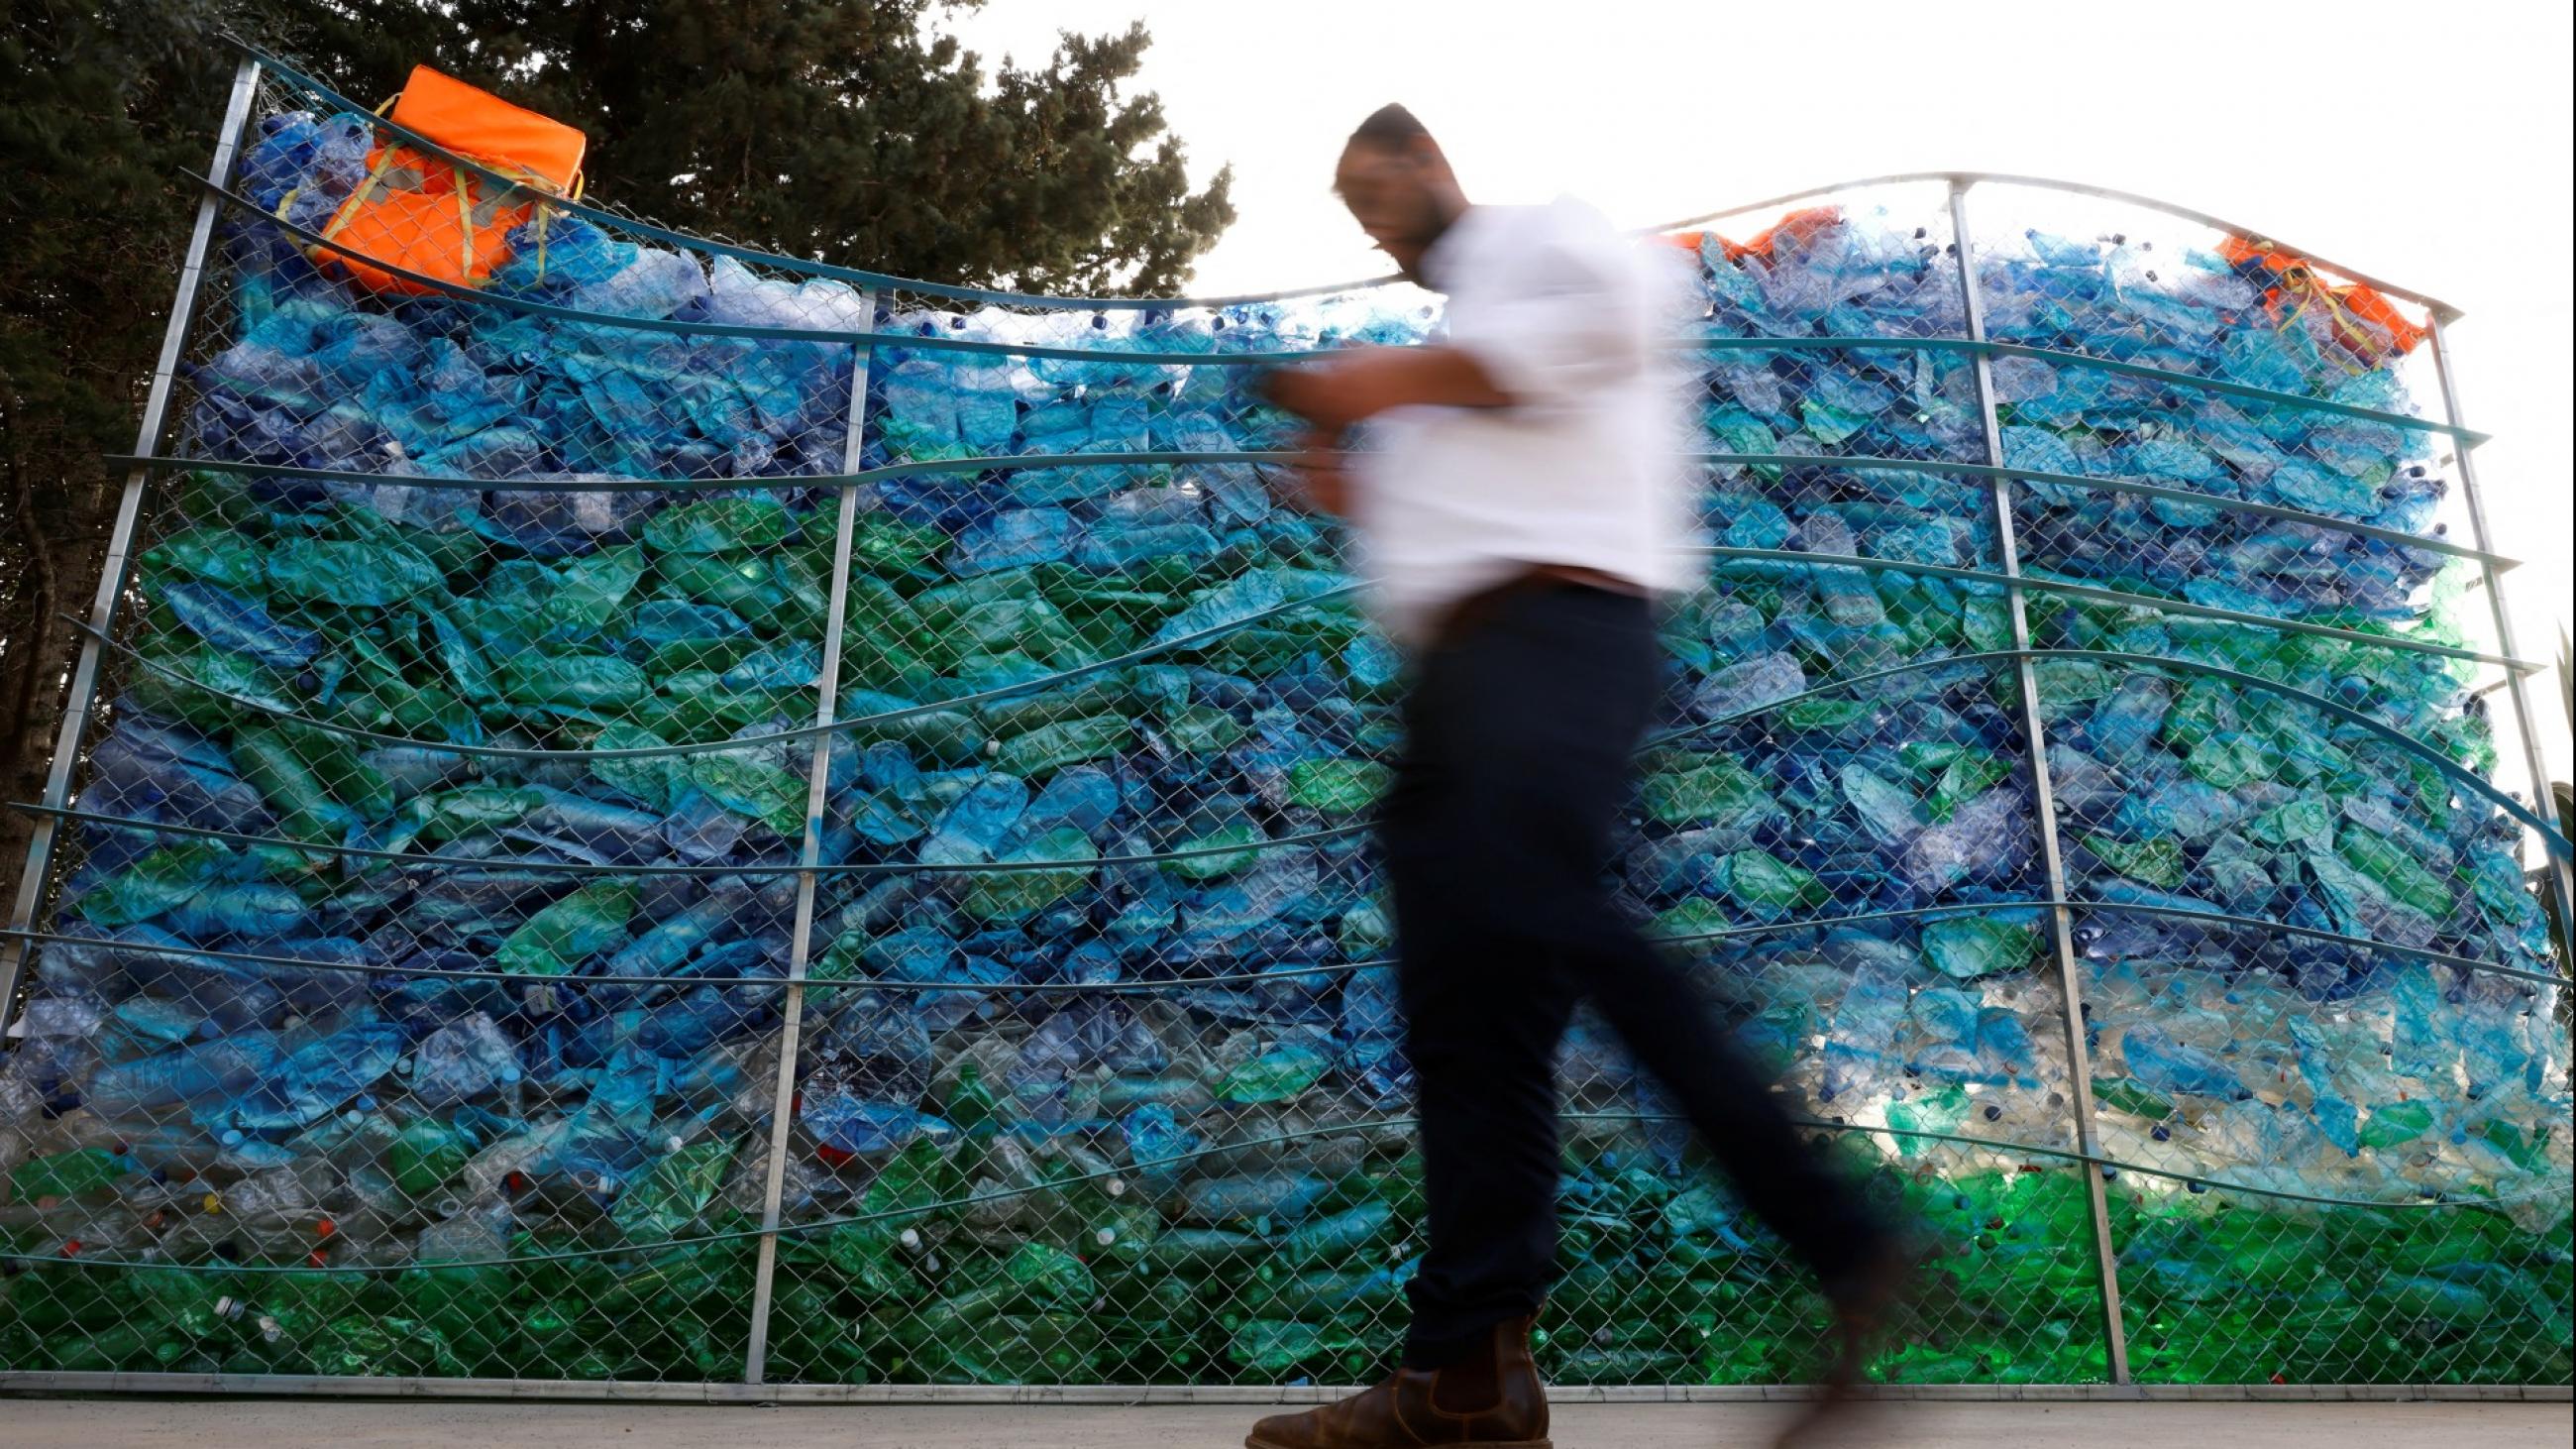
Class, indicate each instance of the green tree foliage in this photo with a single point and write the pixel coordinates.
(847, 130)
(841, 129)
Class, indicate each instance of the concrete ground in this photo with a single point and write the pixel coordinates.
(292, 1424)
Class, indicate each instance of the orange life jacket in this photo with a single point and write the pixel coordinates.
(420, 212)
(2295, 287)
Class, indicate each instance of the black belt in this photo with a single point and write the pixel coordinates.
(1465, 616)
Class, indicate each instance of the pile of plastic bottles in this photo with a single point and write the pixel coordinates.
(418, 999)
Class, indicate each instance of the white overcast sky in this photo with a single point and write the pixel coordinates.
(2424, 143)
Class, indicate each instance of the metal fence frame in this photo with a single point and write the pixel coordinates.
(145, 462)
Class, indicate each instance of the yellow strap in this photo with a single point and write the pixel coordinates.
(465, 225)
(340, 218)
(2309, 290)
(538, 221)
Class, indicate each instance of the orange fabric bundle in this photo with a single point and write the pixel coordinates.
(419, 212)
(1797, 226)
(2292, 287)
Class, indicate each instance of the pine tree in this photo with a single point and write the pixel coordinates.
(840, 129)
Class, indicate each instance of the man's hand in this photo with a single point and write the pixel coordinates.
(1322, 486)
(1329, 396)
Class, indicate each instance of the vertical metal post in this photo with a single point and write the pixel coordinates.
(2558, 868)
(2079, 1088)
(120, 545)
(828, 687)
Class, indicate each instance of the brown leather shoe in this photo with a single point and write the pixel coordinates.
(1492, 1399)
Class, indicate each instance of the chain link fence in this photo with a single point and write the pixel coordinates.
(685, 817)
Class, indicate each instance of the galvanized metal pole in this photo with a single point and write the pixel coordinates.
(120, 546)
(2561, 872)
(2079, 1087)
(828, 687)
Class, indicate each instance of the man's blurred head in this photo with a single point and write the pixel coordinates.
(1398, 186)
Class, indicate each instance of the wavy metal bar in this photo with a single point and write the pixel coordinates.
(1988, 347)
(887, 281)
(1007, 462)
(862, 722)
(882, 281)
(818, 482)
(2118, 597)
(2459, 775)
(1293, 971)
(1338, 1129)
(1783, 556)
(592, 868)
(2222, 502)
(2556, 842)
(522, 978)
(2077, 188)
(315, 240)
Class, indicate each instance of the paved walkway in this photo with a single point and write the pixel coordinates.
(276, 1424)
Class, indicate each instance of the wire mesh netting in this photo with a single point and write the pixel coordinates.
(676, 814)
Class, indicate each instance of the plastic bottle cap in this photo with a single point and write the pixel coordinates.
(1105, 1236)
(910, 1238)
(1117, 1187)
(672, 1143)
(325, 1228)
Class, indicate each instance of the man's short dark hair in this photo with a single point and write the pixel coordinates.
(1390, 128)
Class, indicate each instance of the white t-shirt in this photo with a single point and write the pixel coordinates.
(1564, 313)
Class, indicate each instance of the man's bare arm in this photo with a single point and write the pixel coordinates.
(1334, 394)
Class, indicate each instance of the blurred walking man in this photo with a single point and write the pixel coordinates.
(1518, 512)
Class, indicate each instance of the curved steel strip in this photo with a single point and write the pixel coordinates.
(584, 867)
(2097, 594)
(1991, 348)
(2552, 839)
(1781, 556)
(2223, 503)
(2074, 188)
(1009, 462)
(862, 722)
(2086, 903)
(1338, 1129)
(575, 317)
(1279, 973)
(855, 276)
(2556, 842)
(819, 482)
(859, 277)
(523, 978)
